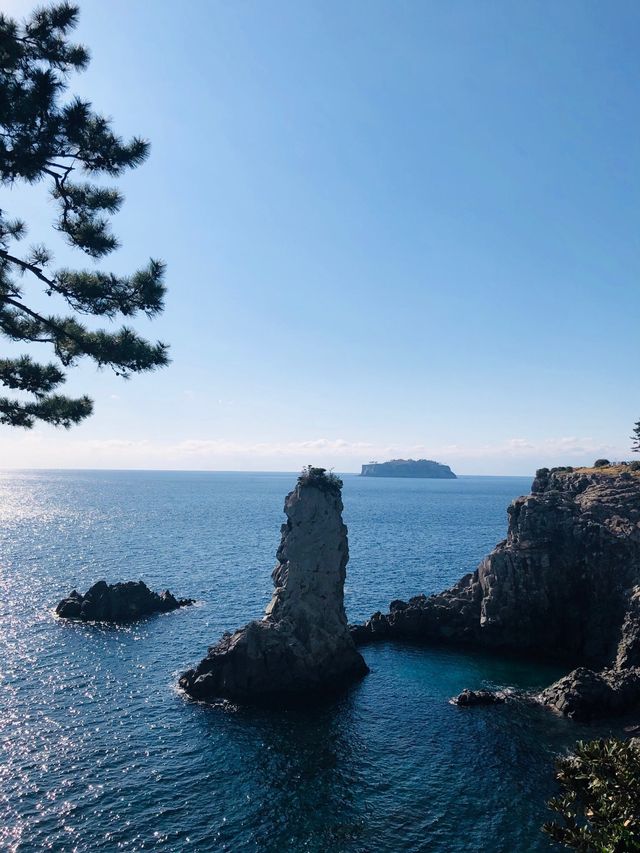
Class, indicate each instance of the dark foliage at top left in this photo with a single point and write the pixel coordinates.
(47, 137)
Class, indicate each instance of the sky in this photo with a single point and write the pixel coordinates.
(392, 229)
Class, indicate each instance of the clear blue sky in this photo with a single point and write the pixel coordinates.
(391, 228)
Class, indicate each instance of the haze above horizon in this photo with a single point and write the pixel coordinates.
(392, 229)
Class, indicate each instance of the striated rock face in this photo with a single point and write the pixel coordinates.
(565, 580)
(118, 602)
(303, 644)
(564, 585)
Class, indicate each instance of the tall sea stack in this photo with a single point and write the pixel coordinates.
(302, 646)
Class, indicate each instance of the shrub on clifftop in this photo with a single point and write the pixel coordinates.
(599, 803)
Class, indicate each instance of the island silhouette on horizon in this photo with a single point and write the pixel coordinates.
(425, 468)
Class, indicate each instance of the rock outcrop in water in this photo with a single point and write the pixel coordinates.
(302, 646)
(584, 694)
(563, 586)
(118, 602)
(471, 698)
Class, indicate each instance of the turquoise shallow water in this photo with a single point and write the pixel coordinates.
(101, 752)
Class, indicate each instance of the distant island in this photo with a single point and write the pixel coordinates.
(408, 468)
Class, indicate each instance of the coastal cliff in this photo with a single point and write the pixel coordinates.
(303, 644)
(564, 586)
(418, 468)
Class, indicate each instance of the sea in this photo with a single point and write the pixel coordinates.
(100, 751)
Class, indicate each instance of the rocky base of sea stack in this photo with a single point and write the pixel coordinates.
(564, 586)
(118, 602)
(267, 662)
(302, 647)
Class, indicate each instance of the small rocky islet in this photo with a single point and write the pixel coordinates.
(409, 468)
(118, 602)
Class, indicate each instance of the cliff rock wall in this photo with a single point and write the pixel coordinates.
(564, 585)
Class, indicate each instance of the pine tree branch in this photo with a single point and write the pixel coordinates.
(44, 136)
(53, 409)
(66, 204)
(97, 293)
(123, 351)
(49, 324)
(25, 265)
(23, 374)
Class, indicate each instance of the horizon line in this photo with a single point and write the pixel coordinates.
(10, 469)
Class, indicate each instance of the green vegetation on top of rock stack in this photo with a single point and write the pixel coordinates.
(319, 478)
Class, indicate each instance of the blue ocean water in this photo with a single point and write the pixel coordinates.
(100, 752)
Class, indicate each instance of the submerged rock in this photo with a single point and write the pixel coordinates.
(118, 602)
(302, 645)
(469, 698)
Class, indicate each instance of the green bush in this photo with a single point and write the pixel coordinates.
(601, 463)
(599, 802)
(319, 478)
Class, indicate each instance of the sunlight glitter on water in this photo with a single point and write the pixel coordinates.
(100, 751)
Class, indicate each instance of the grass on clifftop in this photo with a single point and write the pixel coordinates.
(611, 469)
